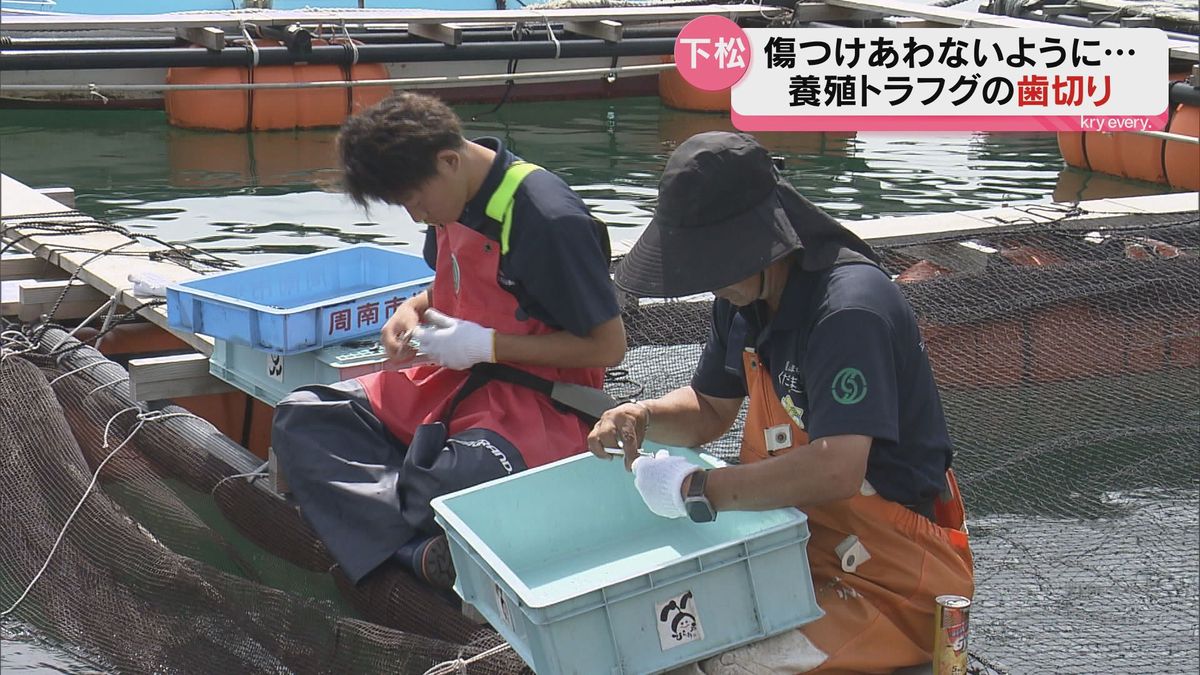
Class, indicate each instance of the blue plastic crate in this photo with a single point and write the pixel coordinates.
(270, 377)
(569, 565)
(300, 304)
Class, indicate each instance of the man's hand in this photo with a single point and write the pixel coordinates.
(659, 479)
(396, 333)
(454, 343)
(623, 426)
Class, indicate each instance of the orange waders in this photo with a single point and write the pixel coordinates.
(879, 609)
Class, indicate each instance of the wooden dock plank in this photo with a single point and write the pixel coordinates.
(107, 274)
(1168, 203)
(62, 195)
(165, 377)
(446, 33)
(15, 302)
(10, 297)
(894, 230)
(50, 292)
(206, 36)
(231, 20)
(605, 29)
(27, 266)
(899, 229)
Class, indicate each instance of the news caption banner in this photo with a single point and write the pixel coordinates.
(930, 79)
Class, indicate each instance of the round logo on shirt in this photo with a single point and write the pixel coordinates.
(849, 386)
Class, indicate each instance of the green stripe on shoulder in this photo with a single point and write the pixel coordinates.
(500, 204)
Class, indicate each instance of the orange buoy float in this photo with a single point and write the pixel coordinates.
(678, 93)
(1141, 157)
(271, 109)
(1181, 161)
(1070, 146)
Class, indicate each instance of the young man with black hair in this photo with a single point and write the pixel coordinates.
(521, 285)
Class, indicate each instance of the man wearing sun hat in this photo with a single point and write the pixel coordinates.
(844, 420)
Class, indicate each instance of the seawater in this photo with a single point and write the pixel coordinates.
(260, 196)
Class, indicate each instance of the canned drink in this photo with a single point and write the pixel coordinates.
(950, 635)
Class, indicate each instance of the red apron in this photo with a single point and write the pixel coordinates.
(878, 617)
(465, 287)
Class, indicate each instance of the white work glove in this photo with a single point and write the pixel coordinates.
(659, 479)
(453, 343)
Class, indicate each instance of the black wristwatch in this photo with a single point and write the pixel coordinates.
(698, 507)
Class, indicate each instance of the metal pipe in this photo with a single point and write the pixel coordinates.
(537, 32)
(1084, 22)
(333, 54)
(98, 90)
(1169, 136)
(1182, 92)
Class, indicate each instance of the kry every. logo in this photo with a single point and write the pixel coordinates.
(849, 386)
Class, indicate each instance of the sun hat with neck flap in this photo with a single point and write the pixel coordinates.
(724, 214)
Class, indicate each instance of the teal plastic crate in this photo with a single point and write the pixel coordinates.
(302, 303)
(569, 565)
(270, 377)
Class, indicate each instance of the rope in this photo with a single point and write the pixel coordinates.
(93, 364)
(110, 305)
(148, 416)
(107, 324)
(65, 223)
(460, 664)
(250, 44)
(106, 385)
(550, 32)
(519, 31)
(59, 351)
(1007, 7)
(24, 345)
(254, 475)
(94, 92)
(353, 47)
(87, 491)
(620, 378)
(45, 323)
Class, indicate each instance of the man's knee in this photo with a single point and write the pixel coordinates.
(290, 416)
(297, 408)
(298, 397)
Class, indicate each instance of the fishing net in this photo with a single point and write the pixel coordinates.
(1067, 355)
(144, 576)
(1068, 360)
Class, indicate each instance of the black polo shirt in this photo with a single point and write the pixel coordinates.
(846, 352)
(555, 265)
